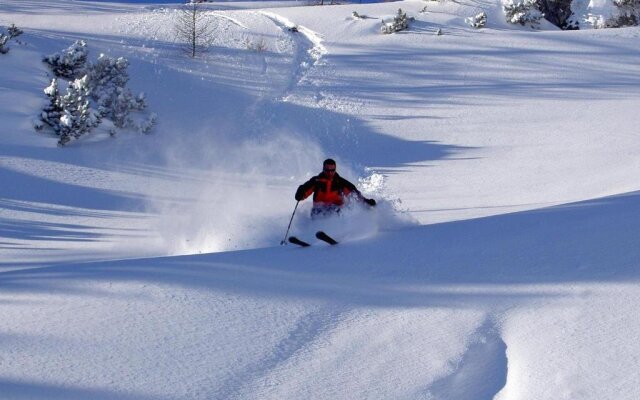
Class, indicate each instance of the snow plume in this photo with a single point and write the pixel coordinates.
(230, 194)
(390, 212)
(226, 194)
(356, 220)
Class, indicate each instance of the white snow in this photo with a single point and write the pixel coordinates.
(501, 262)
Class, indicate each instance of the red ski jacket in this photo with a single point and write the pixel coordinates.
(326, 191)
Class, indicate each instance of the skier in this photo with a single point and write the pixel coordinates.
(329, 191)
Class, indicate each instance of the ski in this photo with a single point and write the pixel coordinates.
(326, 238)
(295, 240)
(320, 235)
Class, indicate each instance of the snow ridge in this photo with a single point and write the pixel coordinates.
(481, 372)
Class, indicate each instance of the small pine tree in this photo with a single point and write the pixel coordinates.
(4, 39)
(70, 63)
(14, 31)
(478, 21)
(628, 14)
(523, 12)
(145, 126)
(399, 23)
(103, 86)
(194, 29)
(108, 80)
(53, 111)
(77, 117)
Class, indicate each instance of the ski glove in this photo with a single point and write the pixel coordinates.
(370, 202)
(300, 193)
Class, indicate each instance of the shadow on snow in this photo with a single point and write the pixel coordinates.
(583, 242)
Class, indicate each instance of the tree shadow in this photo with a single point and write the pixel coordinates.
(31, 188)
(457, 264)
(409, 85)
(46, 7)
(24, 389)
(16, 229)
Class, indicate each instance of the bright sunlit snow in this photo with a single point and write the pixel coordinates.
(501, 262)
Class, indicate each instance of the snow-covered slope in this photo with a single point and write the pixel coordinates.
(501, 262)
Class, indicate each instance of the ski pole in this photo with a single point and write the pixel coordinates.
(284, 241)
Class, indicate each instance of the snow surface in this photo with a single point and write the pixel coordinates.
(501, 263)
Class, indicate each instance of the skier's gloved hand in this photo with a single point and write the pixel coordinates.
(300, 194)
(370, 202)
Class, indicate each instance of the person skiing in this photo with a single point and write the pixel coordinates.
(329, 191)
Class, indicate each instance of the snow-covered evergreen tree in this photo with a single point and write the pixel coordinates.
(4, 39)
(559, 13)
(629, 4)
(146, 125)
(70, 63)
(628, 14)
(400, 22)
(523, 12)
(108, 80)
(355, 15)
(53, 111)
(13, 31)
(77, 116)
(477, 21)
(104, 85)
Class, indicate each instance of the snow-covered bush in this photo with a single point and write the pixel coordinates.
(560, 13)
(52, 112)
(400, 22)
(258, 45)
(621, 20)
(105, 87)
(627, 3)
(13, 31)
(4, 39)
(573, 14)
(523, 12)
(355, 15)
(478, 21)
(146, 125)
(77, 116)
(69, 63)
(108, 78)
(628, 14)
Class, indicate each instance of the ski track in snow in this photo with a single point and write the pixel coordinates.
(481, 372)
(234, 20)
(307, 54)
(305, 333)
